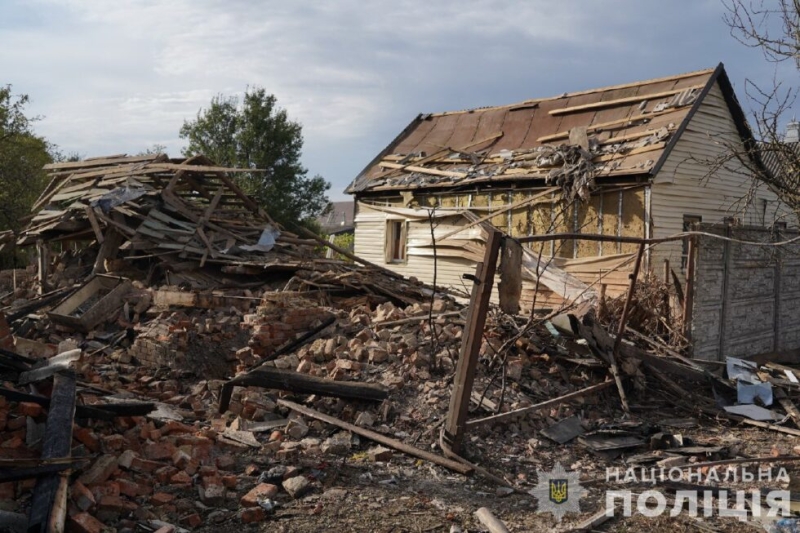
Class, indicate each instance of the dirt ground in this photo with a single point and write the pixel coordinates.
(407, 495)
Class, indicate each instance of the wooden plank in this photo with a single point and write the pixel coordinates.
(642, 150)
(765, 425)
(289, 380)
(623, 123)
(100, 161)
(42, 262)
(510, 286)
(95, 226)
(622, 101)
(539, 406)
(621, 328)
(49, 500)
(788, 405)
(424, 170)
(108, 250)
(558, 280)
(438, 155)
(199, 168)
(379, 438)
(483, 282)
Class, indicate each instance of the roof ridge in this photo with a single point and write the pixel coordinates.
(529, 101)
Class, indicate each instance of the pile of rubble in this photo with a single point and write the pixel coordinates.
(131, 402)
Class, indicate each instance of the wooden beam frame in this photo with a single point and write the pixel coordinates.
(455, 423)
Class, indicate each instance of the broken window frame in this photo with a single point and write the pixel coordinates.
(396, 241)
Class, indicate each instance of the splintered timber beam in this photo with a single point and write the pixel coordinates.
(49, 501)
(502, 417)
(483, 282)
(621, 329)
(455, 466)
(106, 411)
(276, 378)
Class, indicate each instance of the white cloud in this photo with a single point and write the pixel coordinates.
(120, 76)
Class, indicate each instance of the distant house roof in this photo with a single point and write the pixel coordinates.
(624, 130)
(339, 219)
(780, 158)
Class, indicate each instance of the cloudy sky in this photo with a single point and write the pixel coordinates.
(120, 76)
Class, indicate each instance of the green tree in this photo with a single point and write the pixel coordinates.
(255, 133)
(22, 156)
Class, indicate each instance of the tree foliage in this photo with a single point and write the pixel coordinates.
(255, 133)
(22, 156)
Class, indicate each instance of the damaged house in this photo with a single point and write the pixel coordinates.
(634, 160)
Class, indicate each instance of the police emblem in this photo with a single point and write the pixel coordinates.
(558, 492)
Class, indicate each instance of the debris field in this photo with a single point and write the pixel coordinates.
(193, 366)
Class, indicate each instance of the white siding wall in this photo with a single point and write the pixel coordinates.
(370, 236)
(683, 186)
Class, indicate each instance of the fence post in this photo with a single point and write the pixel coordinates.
(727, 266)
(483, 282)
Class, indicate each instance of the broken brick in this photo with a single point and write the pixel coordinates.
(225, 462)
(296, 486)
(159, 451)
(113, 443)
(161, 498)
(87, 437)
(193, 520)
(83, 497)
(213, 495)
(181, 478)
(180, 458)
(30, 409)
(262, 491)
(128, 488)
(116, 504)
(143, 465)
(126, 459)
(100, 470)
(253, 515)
(164, 473)
(85, 523)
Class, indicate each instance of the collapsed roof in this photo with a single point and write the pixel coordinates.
(624, 130)
(184, 213)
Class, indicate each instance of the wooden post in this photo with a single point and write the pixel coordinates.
(727, 269)
(42, 261)
(666, 313)
(471, 343)
(777, 291)
(621, 327)
(601, 306)
(688, 299)
(108, 250)
(49, 501)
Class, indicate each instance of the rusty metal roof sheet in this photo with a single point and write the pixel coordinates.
(623, 130)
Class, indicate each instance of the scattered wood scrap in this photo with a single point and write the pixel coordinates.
(377, 437)
(288, 380)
